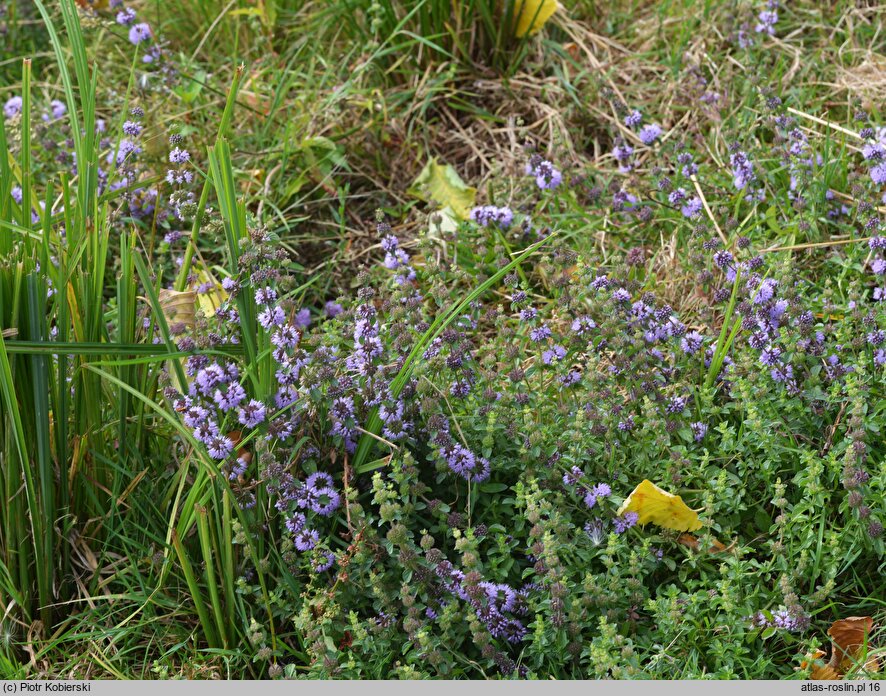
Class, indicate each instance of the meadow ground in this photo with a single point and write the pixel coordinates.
(478, 339)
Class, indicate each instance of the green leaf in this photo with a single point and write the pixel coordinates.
(442, 184)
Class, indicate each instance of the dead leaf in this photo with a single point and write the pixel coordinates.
(821, 671)
(653, 504)
(442, 184)
(694, 543)
(849, 638)
(178, 306)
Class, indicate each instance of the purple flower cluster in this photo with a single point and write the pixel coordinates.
(488, 215)
(874, 153)
(649, 133)
(625, 522)
(496, 605)
(742, 169)
(793, 620)
(296, 500)
(465, 463)
(546, 175)
(396, 258)
(767, 19)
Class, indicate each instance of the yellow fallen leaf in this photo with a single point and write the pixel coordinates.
(212, 299)
(652, 504)
(178, 306)
(442, 184)
(531, 15)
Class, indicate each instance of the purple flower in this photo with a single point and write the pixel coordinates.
(230, 398)
(252, 413)
(139, 32)
(219, 447)
(333, 500)
(699, 430)
(540, 333)
(546, 175)
(621, 295)
(878, 174)
(676, 404)
(12, 107)
(691, 342)
(319, 479)
(488, 215)
(296, 522)
(873, 151)
(767, 18)
(583, 325)
(723, 259)
(571, 477)
(285, 337)
(625, 522)
(766, 291)
(58, 108)
(633, 119)
(467, 465)
(205, 431)
(742, 169)
(265, 296)
(650, 133)
(303, 318)
(554, 354)
(306, 539)
(179, 156)
(271, 316)
(692, 207)
(126, 16)
(333, 309)
(324, 563)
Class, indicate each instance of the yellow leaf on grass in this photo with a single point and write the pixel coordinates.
(178, 306)
(212, 298)
(652, 504)
(531, 15)
(442, 184)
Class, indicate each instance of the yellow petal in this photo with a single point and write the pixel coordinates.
(531, 15)
(653, 504)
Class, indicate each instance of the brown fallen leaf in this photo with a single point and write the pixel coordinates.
(821, 671)
(693, 542)
(849, 638)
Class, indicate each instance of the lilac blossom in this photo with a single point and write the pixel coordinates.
(13, 107)
(742, 169)
(488, 215)
(139, 33)
(625, 522)
(546, 175)
(650, 133)
(633, 119)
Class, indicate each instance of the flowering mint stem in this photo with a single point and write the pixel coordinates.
(374, 425)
